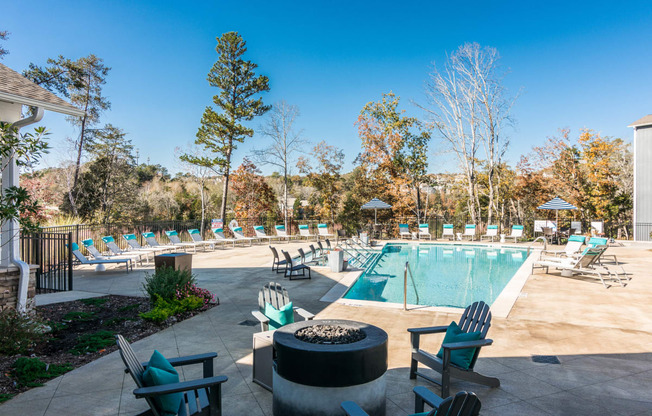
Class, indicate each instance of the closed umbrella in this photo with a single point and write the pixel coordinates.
(376, 204)
(557, 204)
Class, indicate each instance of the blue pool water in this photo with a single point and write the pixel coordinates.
(444, 274)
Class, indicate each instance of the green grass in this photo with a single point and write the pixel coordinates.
(26, 371)
(4, 397)
(93, 342)
(94, 301)
(79, 316)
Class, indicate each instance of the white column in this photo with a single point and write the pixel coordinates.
(9, 239)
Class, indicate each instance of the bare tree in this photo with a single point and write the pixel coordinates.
(200, 173)
(285, 143)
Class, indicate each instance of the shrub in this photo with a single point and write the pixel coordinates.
(26, 371)
(93, 342)
(192, 290)
(166, 281)
(79, 316)
(163, 308)
(5, 396)
(19, 332)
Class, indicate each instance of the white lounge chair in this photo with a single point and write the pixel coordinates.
(322, 229)
(89, 245)
(304, 231)
(83, 260)
(195, 234)
(150, 238)
(173, 236)
(282, 233)
(492, 232)
(117, 251)
(573, 247)
(239, 235)
(218, 233)
(134, 245)
(469, 232)
(517, 232)
(259, 230)
(424, 231)
(404, 231)
(585, 265)
(448, 232)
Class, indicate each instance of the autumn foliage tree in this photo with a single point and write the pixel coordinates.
(253, 196)
(325, 177)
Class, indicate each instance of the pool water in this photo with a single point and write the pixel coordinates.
(444, 274)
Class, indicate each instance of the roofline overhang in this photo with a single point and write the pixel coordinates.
(640, 125)
(17, 99)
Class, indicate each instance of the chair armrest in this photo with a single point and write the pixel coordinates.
(352, 409)
(467, 344)
(189, 359)
(428, 330)
(304, 314)
(427, 396)
(260, 316)
(179, 387)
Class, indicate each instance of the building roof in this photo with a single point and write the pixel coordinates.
(645, 121)
(15, 88)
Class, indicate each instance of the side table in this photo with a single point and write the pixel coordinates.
(263, 359)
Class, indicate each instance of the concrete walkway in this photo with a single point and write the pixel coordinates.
(602, 337)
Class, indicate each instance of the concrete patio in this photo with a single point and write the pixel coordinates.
(602, 337)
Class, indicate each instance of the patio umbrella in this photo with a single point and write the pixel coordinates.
(557, 204)
(376, 204)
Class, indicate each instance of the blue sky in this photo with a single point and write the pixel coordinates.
(576, 65)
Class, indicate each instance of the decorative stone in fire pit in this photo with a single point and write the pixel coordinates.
(321, 363)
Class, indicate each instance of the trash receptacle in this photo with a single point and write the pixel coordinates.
(176, 260)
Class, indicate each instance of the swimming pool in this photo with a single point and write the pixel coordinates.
(444, 274)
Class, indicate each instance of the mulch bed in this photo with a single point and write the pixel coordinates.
(119, 314)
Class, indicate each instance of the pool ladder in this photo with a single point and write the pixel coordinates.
(545, 244)
(405, 275)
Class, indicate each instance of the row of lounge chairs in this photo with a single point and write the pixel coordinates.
(448, 231)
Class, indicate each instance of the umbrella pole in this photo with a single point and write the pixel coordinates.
(375, 216)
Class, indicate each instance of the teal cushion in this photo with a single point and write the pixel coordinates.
(109, 239)
(423, 413)
(160, 372)
(279, 317)
(461, 358)
(578, 238)
(88, 242)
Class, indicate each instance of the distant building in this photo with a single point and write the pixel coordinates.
(642, 178)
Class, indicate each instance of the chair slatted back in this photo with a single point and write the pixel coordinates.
(288, 259)
(274, 294)
(314, 252)
(476, 317)
(302, 255)
(462, 404)
(274, 253)
(134, 367)
(328, 243)
(321, 246)
(589, 257)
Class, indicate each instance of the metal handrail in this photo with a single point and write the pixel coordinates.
(407, 269)
(545, 244)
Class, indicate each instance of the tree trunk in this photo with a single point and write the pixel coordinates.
(225, 191)
(285, 195)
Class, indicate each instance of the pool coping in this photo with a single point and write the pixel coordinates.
(500, 308)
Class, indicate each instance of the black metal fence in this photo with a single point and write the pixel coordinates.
(52, 252)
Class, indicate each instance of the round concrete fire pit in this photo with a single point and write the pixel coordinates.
(321, 363)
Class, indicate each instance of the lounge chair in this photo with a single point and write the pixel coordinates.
(202, 397)
(455, 359)
(462, 404)
(83, 260)
(602, 241)
(117, 251)
(281, 232)
(322, 229)
(239, 235)
(218, 233)
(492, 232)
(469, 232)
(304, 231)
(275, 295)
(585, 265)
(134, 245)
(517, 232)
(276, 262)
(448, 232)
(173, 236)
(404, 231)
(424, 231)
(259, 230)
(195, 234)
(150, 238)
(291, 267)
(89, 245)
(573, 246)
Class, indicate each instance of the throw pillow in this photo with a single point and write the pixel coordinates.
(158, 373)
(461, 358)
(279, 317)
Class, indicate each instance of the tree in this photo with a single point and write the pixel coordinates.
(199, 172)
(253, 196)
(285, 142)
(4, 35)
(220, 132)
(81, 82)
(326, 177)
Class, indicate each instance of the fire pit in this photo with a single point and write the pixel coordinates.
(321, 363)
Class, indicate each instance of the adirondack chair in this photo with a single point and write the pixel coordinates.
(207, 392)
(291, 267)
(476, 317)
(462, 404)
(277, 296)
(277, 262)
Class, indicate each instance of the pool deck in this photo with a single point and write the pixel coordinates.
(602, 337)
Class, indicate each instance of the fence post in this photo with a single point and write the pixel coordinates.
(70, 260)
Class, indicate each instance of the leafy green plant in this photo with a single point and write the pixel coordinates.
(118, 320)
(129, 308)
(26, 371)
(166, 281)
(94, 301)
(93, 342)
(79, 316)
(163, 308)
(19, 332)
(4, 397)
